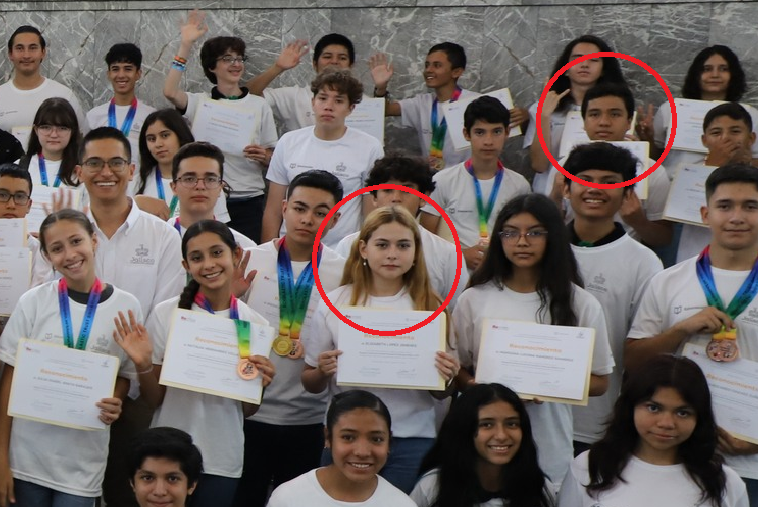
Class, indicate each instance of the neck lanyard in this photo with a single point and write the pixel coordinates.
(43, 172)
(293, 296)
(744, 295)
(89, 314)
(243, 326)
(178, 226)
(439, 129)
(162, 192)
(485, 212)
(126, 127)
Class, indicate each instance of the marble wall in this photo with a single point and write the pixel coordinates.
(509, 42)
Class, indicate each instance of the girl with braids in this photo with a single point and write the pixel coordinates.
(484, 455)
(529, 273)
(660, 446)
(210, 256)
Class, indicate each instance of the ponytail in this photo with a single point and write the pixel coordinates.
(188, 295)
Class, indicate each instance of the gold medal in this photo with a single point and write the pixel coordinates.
(283, 345)
(723, 347)
(436, 163)
(246, 370)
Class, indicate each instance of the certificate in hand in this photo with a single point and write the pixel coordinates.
(687, 195)
(57, 385)
(368, 117)
(453, 112)
(733, 389)
(13, 232)
(230, 127)
(690, 114)
(551, 363)
(43, 196)
(397, 362)
(202, 356)
(15, 276)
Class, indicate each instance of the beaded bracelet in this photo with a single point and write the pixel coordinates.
(181, 67)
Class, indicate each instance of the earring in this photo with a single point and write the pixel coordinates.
(365, 262)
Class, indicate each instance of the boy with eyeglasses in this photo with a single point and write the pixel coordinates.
(223, 60)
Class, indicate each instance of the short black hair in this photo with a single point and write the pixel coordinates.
(15, 171)
(105, 133)
(456, 55)
(214, 48)
(169, 443)
(397, 167)
(124, 52)
(487, 109)
(604, 157)
(731, 109)
(317, 178)
(26, 29)
(730, 173)
(610, 90)
(334, 39)
(198, 149)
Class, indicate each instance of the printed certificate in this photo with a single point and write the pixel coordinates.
(551, 363)
(453, 112)
(15, 276)
(399, 362)
(43, 196)
(229, 127)
(690, 114)
(368, 117)
(574, 133)
(57, 385)
(202, 356)
(13, 232)
(687, 195)
(734, 391)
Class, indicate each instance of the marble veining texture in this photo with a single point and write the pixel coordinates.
(508, 42)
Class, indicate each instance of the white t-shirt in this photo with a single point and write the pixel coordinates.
(675, 295)
(287, 402)
(98, 117)
(456, 194)
(18, 107)
(677, 158)
(42, 270)
(557, 124)
(63, 459)
(243, 241)
(295, 492)
(646, 484)
(416, 112)
(441, 263)
(412, 410)
(552, 423)
(215, 423)
(143, 257)
(291, 106)
(245, 177)
(349, 158)
(619, 292)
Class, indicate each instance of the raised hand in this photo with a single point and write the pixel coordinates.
(134, 339)
(290, 56)
(193, 27)
(381, 70)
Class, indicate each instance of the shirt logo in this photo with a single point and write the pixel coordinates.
(341, 168)
(677, 310)
(141, 256)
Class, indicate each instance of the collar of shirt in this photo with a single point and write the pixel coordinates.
(618, 232)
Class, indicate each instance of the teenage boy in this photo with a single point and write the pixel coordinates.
(292, 104)
(675, 309)
(123, 111)
(223, 60)
(197, 178)
(440, 255)
(601, 245)
(329, 145)
(136, 252)
(289, 429)
(21, 96)
(472, 192)
(728, 135)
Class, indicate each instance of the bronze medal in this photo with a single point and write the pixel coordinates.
(723, 347)
(297, 351)
(247, 370)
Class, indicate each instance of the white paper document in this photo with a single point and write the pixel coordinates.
(536, 360)
(687, 195)
(368, 117)
(15, 276)
(13, 232)
(229, 127)
(574, 133)
(454, 111)
(202, 355)
(400, 362)
(57, 385)
(689, 124)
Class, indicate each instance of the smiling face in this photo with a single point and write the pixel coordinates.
(26, 54)
(211, 262)
(591, 203)
(714, 81)
(724, 130)
(606, 119)
(229, 73)
(359, 442)
(663, 423)
(333, 55)
(71, 251)
(498, 436)
(732, 215)
(390, 251)
(589, 71)
(160, 482)
(438, 71)
(123, 77)
(106, 184)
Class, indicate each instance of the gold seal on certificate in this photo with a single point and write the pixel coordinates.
(723, 347)
(283, 345)
(246, 370)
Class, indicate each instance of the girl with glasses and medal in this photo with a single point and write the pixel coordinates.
(210, 255)
(54, 465)
(529, 273)
(706, 305)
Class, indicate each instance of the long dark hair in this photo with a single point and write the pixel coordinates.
(611, 68)
(173, 122)
(222, 231)
(58, 112)
(737, 84)
(609, 456)
(558, 269)
(522, 481)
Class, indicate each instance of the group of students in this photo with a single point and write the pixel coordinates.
(157, 240)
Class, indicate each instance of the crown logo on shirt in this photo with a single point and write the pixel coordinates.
(293, 165)
(141, 251)
(341, 168)
(599, 279)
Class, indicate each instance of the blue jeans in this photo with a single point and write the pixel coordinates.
(213, 491)
(29, 494)
(752, 491)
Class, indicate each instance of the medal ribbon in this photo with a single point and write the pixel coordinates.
(43, 172)
(178, 226)
(293, 297)
(440, 129)
(243, 326)
(162, 193)
(89, 314)
(743, 297)
(485, 212)
(126, 127)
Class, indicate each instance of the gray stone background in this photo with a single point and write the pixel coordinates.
(508, 42)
